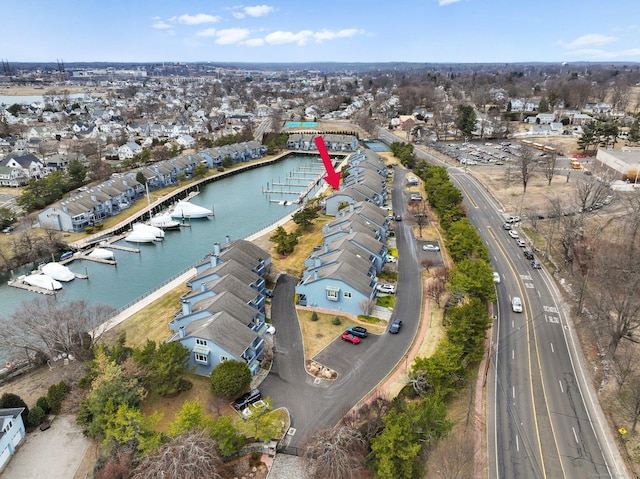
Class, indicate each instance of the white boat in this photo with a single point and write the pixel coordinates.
(42, 281)
(58, 272)
(157, 232)
(140, 236)
(101, 253)
(165, 222)
(184, 209)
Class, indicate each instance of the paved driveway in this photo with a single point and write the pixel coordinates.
(52, 454)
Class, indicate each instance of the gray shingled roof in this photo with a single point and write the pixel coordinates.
(224, 330)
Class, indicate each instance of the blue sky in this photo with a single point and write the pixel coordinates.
(469, 31)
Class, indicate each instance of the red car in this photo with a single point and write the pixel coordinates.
(350, 338)
(578, 156)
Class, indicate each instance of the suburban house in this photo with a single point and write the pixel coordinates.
(341, 274)
(129, 150)
(28, 164)
(11, 433)
(12, 177)
(223, 316)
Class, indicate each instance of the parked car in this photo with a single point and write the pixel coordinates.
(390, 258)
(385, 288)
(246, 399)
(513, 219)
(350, 338)
(513, 233)
(496, 277)
(397, 218)
(271, 329)
(521, 243)
(431, 247)
(536, 264)
(516, 305)
(358, 331)
(528, 254)
(8, 229)
(395, 326)
(506, 226)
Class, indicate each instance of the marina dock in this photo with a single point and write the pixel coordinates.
(34, 289)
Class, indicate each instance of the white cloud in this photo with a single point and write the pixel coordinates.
(209, 32)
(253, 42)
(238, 15)
(258, 10)
(280, 38)
(160, 25)
(304, 36)
(590, 40)
(231, 35)
(442, 3)
(197, 19)
(597, 54)
(330, 35)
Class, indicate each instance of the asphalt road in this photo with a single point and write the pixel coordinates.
(314, 403)
(543, 417)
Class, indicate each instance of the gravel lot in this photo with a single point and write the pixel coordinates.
(52, 454)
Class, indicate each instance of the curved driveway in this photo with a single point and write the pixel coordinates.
(319, 403)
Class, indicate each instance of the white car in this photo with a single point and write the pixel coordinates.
(391, 259)
(521, 243)
(386, 288)
(496, 277)
(513, 233)
(430, 247)
(271, 329)
(516, 305)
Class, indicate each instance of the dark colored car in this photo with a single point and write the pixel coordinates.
(528, 254)
(358, 331)
(246, 399)
(395, 326)
(536, 264)
(350, 338)
(398, 218)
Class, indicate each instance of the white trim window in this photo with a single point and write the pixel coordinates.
(333, 293)
(347, 294)
(201, 358)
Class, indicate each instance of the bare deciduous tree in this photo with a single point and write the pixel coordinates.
(336, 453)
(550, 167)
(48, 327)
(453, 457)
(616, 306)
(526, 164)
(191, 455)
(366, 306)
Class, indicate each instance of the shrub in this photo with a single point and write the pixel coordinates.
(36, 416)
(314, 316)
(56, 394)
(43, 404)
(99, 226)
(10, 400)
(336, 320)
(89, 230)
(220, 168)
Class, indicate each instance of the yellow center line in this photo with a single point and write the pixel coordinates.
(509, 263)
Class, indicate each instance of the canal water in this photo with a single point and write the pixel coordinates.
(240, 209)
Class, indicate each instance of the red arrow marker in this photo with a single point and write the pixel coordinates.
(333, 177)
